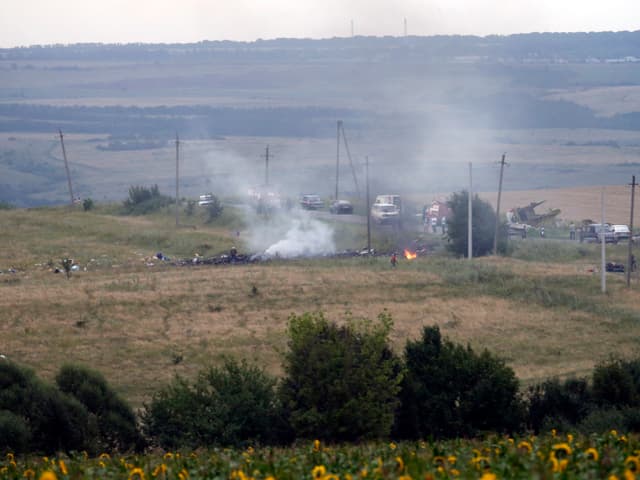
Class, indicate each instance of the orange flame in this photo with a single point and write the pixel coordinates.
(409, 255)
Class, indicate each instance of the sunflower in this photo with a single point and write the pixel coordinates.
(318, 471)
(136, 473)
(524, 445)
(400, 463)
(633, 464)
(592, 454)
(563, 449)
(48, 475)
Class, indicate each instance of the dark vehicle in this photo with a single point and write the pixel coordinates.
(341, 207)
(311, 202)
(596, 231)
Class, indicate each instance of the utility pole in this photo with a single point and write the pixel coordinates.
(603, 240)
(338, 156)
(629, 254)
(495, 238)
(66, 166)
(470, 223)
(266, 167)
(367, 209)
(177, 180)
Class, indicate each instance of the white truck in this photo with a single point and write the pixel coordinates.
(386, 209)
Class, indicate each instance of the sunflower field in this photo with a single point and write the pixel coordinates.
(610, 456)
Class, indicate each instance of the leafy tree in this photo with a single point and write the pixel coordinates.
(558, 403)
(449, 391)
(341, 382)
(42, 418)
(230, 405)
(483, 226)
(115, 422)
(87, 204)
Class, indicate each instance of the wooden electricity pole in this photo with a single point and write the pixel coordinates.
(177, 180)
(629, 253)
(338, 158)
(66, 166)
(603, 241)
(495, 238)
(368, 209)
(266, 166)
(469, 220)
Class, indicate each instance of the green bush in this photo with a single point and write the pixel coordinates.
(553, 403)
(616, 383)
(483, 226)
(450, 391)
(232, 405)
(214, 209)
(54, 421)
(115, 422)
(143, 200)
(14, 432)
(341, 382)
(87, 204)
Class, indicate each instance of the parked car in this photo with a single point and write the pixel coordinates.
(341, 207)
(205, 200)
(596, 231)
(621, 232)
(311, 202)
(385, 213)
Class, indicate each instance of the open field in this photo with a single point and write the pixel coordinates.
(141, 324)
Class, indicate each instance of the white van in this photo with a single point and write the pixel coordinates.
(385, 213)
(621, 232)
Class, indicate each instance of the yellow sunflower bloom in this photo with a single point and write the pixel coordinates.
(318, 471)
(184, 474)
(136, 474)
(488, 476)
(633, 464)
(331, 476)
(48, 475)
(629, 475)
(29, 474)
(63, 467)
(400, 464)
(592, 454)
(524, 445)
(316, 445)
(563, 449)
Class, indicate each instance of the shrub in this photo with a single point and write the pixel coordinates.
(14, 432)
(55, 422)
(483, 226)
(231, 405)
(449, 391)
(341, 382)
(617, 383)
(87, 204)
(214, 209)
(560, 403)
(115, 421)
(143, 200)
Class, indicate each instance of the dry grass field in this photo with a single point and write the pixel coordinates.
(140, 324)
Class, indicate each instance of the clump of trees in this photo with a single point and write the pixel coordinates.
(81, 412)
(143, 200)
(342, 382)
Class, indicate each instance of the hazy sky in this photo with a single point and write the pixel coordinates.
(28, 22)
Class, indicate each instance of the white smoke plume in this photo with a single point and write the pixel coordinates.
(292, 234)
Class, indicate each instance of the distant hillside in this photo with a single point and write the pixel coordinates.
(574, 47)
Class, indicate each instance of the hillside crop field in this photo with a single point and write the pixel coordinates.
(141, 321)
